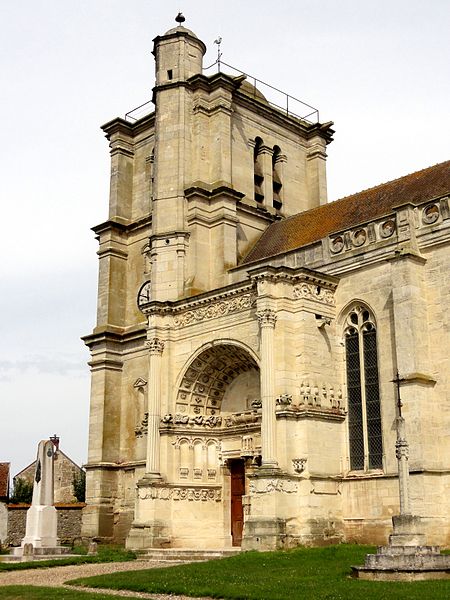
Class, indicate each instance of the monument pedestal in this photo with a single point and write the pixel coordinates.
(406, 558)
(42, 523)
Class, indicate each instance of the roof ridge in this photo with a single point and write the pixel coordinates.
(363, 191)
(374, 187)
(316, 223)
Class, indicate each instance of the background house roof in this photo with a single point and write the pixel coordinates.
(313, 225)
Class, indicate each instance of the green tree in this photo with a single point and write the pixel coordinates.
(79, 486)
(22, 492)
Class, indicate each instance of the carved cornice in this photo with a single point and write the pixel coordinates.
(294, 276)
(215, 310)
(211, 192)
(121, 225)
(312, 412)
(207, 306)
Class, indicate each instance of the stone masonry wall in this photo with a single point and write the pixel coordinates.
(69, 523)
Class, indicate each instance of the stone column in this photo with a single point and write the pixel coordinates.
(402, 454)
(266, 163)
(267, 319)
(156, 347)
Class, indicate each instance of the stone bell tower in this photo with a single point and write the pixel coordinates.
(179, 56)
(194, 184)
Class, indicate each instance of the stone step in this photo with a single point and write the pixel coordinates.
(186, 554)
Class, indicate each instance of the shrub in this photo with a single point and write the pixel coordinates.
(22, 492)
(79, 486)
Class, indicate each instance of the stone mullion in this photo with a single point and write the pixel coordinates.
(156, 347)
(267, 319)
(362, 379)
(266, 163)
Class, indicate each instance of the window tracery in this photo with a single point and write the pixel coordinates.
(364, 414)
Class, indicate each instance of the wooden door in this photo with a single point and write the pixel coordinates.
(237, 470)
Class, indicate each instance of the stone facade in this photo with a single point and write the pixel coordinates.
(228, 403)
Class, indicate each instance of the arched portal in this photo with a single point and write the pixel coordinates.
(223, 377)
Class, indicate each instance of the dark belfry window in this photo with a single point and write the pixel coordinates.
(258, 171)
(364, 416)
(276, 178)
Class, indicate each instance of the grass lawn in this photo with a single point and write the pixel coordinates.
(29, 592)
(306, 573)
(105, 554)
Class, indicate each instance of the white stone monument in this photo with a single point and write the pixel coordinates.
(42, 519)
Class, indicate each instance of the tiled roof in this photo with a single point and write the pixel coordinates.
(4, 479)
(313, 225)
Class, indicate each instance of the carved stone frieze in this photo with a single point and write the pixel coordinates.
(311, 291)
(215, 309)
(361, 236)
(191, 494)
(245, 418)
(264, 486)
(195, 420)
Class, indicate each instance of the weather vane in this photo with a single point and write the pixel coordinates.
(180, 18)
(218, 41)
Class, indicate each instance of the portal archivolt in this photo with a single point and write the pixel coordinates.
(222, 377)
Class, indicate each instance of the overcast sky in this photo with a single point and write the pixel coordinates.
(379, 70)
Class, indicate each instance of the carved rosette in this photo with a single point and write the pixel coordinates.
(267, 317)
(430, 214)
(155, 345)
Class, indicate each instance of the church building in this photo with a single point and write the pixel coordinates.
(252, 339)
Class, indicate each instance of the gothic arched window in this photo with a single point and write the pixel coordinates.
(364, 415)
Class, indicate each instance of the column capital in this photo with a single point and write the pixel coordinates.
(155, 345)
(267, 317)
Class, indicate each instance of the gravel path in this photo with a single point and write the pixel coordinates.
(56, 576)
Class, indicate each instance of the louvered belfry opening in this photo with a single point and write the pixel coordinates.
(364, 414)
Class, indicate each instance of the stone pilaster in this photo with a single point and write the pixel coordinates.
(156, 347)
(267, 319)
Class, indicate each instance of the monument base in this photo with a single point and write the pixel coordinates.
(405, 558)
(41, 528)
